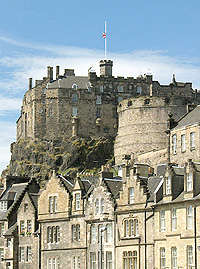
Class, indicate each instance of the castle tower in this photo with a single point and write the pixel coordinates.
(106, 68)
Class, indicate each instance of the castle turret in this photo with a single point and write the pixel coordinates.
(106, 68)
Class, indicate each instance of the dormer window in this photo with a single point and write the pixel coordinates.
(3, 205)
(189, 181)
(168, 185)
(131, 195)
(77, 201)
(139, 90)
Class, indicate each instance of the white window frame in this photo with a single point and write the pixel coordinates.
(192, 140)
(183, 143)
(174, 143)
(162, 258)
(131, 195)
(108, 260)
(189, 257)
(168, 185)
(174, 257)
(29, 254)
(77, 201)
(93, 233)
(162, 220)
(189, 181)
(174, 219)
(93, 260)
(98, 100)
(109, 232)
(22, 254)
(189, 217)
(29, 226)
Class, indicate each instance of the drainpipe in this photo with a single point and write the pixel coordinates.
(195, 236)
(145, 239)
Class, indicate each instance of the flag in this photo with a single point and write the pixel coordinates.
(104, 35)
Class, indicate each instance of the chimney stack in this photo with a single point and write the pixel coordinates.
(30, 83)
(57, 71)
(50, 73)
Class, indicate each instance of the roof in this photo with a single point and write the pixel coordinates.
(179, 171)
(10, 231)
(114, 185)
(67, 82)
(153, 183)
(189, 119)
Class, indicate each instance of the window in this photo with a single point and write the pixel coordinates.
(29, 226)
(162, 258)
(76, 262)
(130, 260)
(168, 185)
(93, 264)
(97, 206)
(120, 98)
(74, 98)
(101, 259)
(74, 111)
(25, 207)
(53, 263)
(22, 227)
(174, 258)
(131, 228)
(174, 219)
(21, 254)
(93, 233)
(189, 217)
(98, 100)
(74, 86)
(192, 140)
(53, 204)
(131, 195)
(43, 90)
(182, 143)
(3, 205)
(100, 205)
(75, 232)
(1, 229)
(120, 88)
(162, 220)
(108, 260)
(189, 256)
(174, 144)
(9, 242)
(109, 232)
(50, 111)
(53, 234)
(77, 201)
(98, 112)
(29, 254)
(139, 90)
(189, 181)
(101, 88)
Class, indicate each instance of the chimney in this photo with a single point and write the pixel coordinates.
(106, 68)
(50, 73)
(69, 72)
(57, 71)
(30, 84)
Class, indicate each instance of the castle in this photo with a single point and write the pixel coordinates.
(147, 215)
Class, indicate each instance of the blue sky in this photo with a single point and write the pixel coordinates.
(161, 37)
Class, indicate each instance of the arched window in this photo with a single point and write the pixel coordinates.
(130, 260)
(131, 228)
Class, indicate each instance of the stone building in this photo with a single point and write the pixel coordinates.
(18, 224)
(143, 121)
(185, 138)
(176, 218)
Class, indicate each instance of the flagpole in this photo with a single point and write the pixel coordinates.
(105, 43)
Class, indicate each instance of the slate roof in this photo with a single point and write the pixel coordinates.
(10, 231)
(189, 119)
(153, 183)
(179, 171)
(13, 192)
(114, 185)
(67, 82)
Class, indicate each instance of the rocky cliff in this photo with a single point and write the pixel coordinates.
(37, 158)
